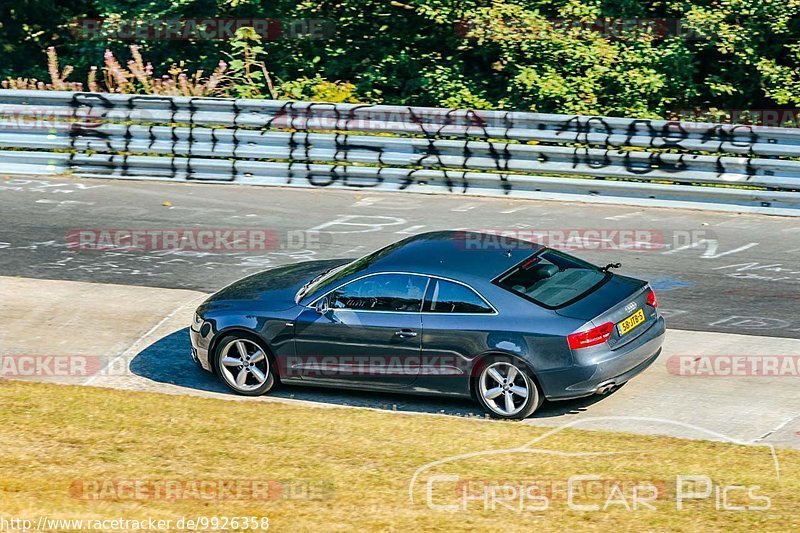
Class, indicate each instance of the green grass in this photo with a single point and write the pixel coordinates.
(352, 466)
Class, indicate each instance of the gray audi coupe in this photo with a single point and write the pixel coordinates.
(505, 321)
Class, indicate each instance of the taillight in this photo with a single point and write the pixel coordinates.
(652, 301)
(591, 337)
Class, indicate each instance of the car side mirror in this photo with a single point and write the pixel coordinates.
(322, 306)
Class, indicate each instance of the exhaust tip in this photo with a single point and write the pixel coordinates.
(605, 388)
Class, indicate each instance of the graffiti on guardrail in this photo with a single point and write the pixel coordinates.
(403, 148)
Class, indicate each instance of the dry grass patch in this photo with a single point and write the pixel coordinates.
(348, 469)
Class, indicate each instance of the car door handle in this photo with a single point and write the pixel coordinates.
(405, 333)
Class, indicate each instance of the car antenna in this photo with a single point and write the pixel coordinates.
(610, 266)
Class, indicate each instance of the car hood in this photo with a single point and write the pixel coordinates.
(273, 289)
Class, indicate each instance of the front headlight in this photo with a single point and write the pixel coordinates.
(197, 320)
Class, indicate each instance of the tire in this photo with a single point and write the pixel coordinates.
(492, 389)
(239, 353)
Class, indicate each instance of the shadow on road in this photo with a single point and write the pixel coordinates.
(168, 361)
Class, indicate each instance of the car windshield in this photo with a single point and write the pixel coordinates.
(552, 279)
(331, 278)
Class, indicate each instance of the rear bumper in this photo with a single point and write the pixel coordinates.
(613, 367)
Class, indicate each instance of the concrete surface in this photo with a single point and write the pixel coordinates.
(82, 323)
(140, 338)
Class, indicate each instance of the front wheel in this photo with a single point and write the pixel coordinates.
(243, 364)
(506, 389)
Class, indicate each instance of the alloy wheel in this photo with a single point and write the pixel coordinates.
(504, 388)
(244, 365)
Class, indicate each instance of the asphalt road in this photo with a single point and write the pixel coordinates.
(713, 271)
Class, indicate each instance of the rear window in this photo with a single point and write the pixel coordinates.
(552, 279)
(448, 297)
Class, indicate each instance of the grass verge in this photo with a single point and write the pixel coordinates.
(74, 452)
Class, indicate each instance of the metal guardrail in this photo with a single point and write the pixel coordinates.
(264, 142)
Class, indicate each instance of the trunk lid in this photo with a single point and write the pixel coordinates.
(616, 300)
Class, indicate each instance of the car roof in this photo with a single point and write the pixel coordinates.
(461, 255)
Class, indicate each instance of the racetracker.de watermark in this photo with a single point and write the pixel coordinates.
(374, 366)
(634, 239)
(200, 489)
(78, 367)
(422, 120)
(83, 119)
(194, 239)
(513, 29)
(194, 29)
(734, 366)
(764, 117)
(33, 118)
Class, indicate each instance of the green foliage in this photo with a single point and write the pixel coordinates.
(499, 54)
(317, 89)
(248, 76)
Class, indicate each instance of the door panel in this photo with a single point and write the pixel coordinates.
(456, 322)
(371, 333)
(451, 342)
(362, 347)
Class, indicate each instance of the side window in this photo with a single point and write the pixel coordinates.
(448, 297)
(382, 292)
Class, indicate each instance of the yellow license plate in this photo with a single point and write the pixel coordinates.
(631, 322)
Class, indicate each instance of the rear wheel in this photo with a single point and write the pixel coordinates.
(244, 365)
(506, 389)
